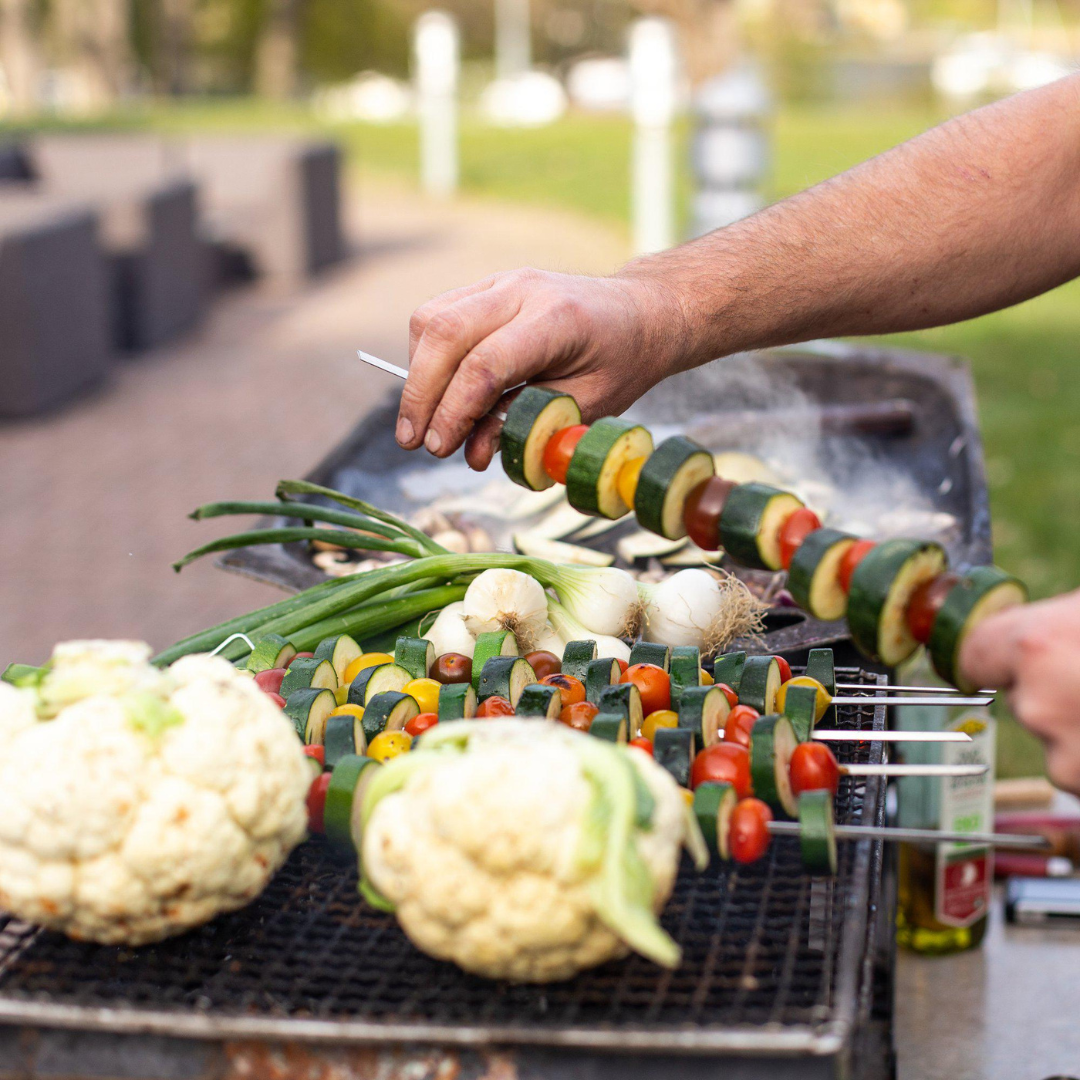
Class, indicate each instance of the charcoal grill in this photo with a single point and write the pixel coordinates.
(776, 980)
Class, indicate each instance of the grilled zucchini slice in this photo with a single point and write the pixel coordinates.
(308, 671)
(494, 643)
(649, 652)
(599, 675)
(625, 700)
(704, 709)
(457, 701)
(415, 655)
(542, 702)
(685, 670)
(817, 833)
(389, 711)
(341, 651)
(345, 796)
(674, 748)
(759, 683)
(577, 656)
(506, 677)
(592, 478)
(772, 742)
(609, 726)
(532, 418)
(343, 736)
(727, 669)
(309, 708)
(271, 651)
(813, 577)
(713, 803)
(377, 679)
(672, 471)
(751, 521)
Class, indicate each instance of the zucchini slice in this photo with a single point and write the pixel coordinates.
(685, 670)
(593, 475)
(457, 701)
(759, 683)
(813, 577)
(345, 796)
(625, 700)
(494, 643)
(415, 655)
(817, 833)
(672, 471)
(727, 669)
(649, 652)
(609, 726)
(531, 419)
(704, 709)
(751, 521)
(377, 679)
(537, 700)
(983, 592)
(559, 551)
(308, 671)
(389, 711)
(599, 675)
(341, 651)
(505, 676)
(820, 666)
(800, 707)
(309, 708)
(343, 736)
(713, 803)
(772, 742)
(577, 656)
(881, 589)
(271, 651)
(674, 748)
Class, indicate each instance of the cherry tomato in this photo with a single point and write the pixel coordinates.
(724, 761)
(642, 744)
(821, 702)
(494, 706)
(316, 753)
(794, 531)
(578, 716)
(425, 692)
(654, 684)
(544, 663)
(852, 557)
(560, 449)
(316, 801)
(623, 666)
(627, 480)
(300, 656)
(660, 718)
(813, 768)
(748, 830)
(452, 667)
(739, 722)
(923, 607)
(572, 690)
(785, 668)
(270, 680)
(705, 678)
(702, 510)
(356, 711)
(419, 724)
(389, 744)
(365, 661)
(732, 697)
(277, 699)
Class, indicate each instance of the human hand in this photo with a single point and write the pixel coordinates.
(1034, 651)
(603, 340)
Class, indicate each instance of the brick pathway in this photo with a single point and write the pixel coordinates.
(94, 499)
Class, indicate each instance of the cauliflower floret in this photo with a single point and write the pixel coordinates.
(481, 852)
(151, 802)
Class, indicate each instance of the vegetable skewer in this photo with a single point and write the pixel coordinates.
(917, 836)
(832, 735)
(892, 688)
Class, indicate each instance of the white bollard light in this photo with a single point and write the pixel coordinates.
(437, 64)
(513, 38)
(654, 98)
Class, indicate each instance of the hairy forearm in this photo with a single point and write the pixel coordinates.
(972, 216)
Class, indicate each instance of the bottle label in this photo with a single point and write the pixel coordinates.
(964, 870)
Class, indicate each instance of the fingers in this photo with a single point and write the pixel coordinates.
(426, 312)
(483, 443)
(990, 651)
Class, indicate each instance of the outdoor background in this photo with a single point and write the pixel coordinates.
(848, 79)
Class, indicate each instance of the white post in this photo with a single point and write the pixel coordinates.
(437, 59)
(513, 44)
(654, 84)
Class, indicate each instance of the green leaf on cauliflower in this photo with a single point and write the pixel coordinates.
(150, 714)
(24, 676)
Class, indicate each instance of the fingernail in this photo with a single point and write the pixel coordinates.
(433, 441)
(405, 431)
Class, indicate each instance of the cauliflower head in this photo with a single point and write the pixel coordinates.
(137, 803)
(523, 850)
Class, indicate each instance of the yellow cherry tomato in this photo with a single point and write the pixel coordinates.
(627, 480)
(341, 694)
(389, 744)
(660, 718)
(349, 710)
(367, 660)
(704, 678)
(821, 703)
(426, 693)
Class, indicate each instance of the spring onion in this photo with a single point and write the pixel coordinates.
(569, 629)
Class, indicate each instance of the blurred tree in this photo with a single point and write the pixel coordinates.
(278, 49)
(92, 40)
(708, 32)
(19, 54)
(172, 32)
(343, 37)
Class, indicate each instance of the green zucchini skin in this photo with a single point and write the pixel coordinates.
(800, 706)
(674, 748)
(540, 701)
(728, 669)
(961, 611)
(743, 519)
(389, 711)
(817, 833)
(648, 652)
(609, 726)
(344, 736)
(495, 643)
(500, 675)
(772, 740)
(308, 705)
(339, 810)
(599, 675)
(308, 671)
(341, 651)
(713, 803)
(526, 424)
(818, 556)
(620, 699)
(577, 656)
(377, 679)
(457, 701)
(271, 651)
(704, 710)
(415, 655)
(758, 674)
(685, 671)
(820, 665)
(592, 473)
(671, 472)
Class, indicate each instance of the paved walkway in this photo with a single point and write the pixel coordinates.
(94, 499)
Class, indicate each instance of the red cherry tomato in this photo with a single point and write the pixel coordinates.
(748, 830)
(653, 683)
(571, 690)
(724, 761)
(578, 716)
(316, 801)
(852, 557)
(813, 768)
(300, 656)
(739, 722)
(316, 752)
(419, 724)
(794, 531)
(732, 697)
(277, 699)
(785, 668)
(623, 666)
(494, 706)
(925, 603)
(270, 680)
(452, 667)
(642, 744)
(544, 663)
(702, 510)
(560, 449)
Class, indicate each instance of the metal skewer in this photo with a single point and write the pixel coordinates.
(918, 836)
(913, 770)
(930, 699)
(401, 373)
(890, 736)
(893, 688)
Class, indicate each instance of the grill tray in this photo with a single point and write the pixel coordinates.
(774, 962)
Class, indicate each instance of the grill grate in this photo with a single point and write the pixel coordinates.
(762, 946)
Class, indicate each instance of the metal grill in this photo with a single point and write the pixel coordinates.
(772, 959)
